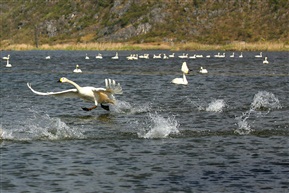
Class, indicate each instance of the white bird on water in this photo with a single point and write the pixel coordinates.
(203, 70)
(259, 56)
(47, 57)
(8, 65)
(91, 94)
(115, 57)
(99, 56)
(265, 61)
(86, 57)
(183, 80)
(6, 57)
(77, 69)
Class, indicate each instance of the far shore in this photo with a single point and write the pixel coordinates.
(189, 46)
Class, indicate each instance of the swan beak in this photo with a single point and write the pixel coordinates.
(60, 80)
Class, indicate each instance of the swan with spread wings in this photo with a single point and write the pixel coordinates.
(97, 95)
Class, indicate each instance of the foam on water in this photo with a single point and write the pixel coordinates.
(216, 105)
(262, 100)
(41, 127)
(265, 100)
(159, 127)
(126, 107)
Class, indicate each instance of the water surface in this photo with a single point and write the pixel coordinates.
(226, 131)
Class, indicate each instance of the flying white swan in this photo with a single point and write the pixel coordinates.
(97, 95)
(77, 69)
(183, 80)
(203, 70)
(265, 61)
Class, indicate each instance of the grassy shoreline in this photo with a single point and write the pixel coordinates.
(190, 46)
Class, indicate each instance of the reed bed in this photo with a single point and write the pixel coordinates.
(234, 46)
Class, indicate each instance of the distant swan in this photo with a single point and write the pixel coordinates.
(232, 55)
(6, 57)
(47, 57)
(99, 56)
(193, 56)
(77, 69)
(203, 70)
(183, 56)
(115, 57)
(8, 65)
(157, 56)
(183, 80)
(172, 55)
(165, 57)
(86, 57)
(265, 61)
(241, 55)
(97, 95)
(259, 56)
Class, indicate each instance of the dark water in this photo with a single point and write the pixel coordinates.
(226, 131)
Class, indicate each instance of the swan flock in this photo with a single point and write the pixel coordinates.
(100, 96)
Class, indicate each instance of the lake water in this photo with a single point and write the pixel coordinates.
(226, 131)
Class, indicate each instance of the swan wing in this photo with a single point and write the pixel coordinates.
(71, 93)
(113, 87)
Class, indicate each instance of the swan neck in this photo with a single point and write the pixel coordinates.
(73, 83)
(184, 77)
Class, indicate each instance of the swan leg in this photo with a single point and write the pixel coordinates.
(106, 107)
(88, 109)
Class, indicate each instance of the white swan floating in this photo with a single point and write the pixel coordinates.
(47, 57)
(99, 56)
(7, 58)
(259, 56)
(265, 61)
(8, 65)
(183, 80)
(203, 70)
(115, 57)
(241, 55)
(97, 95)
(77, 69)
(86, 57)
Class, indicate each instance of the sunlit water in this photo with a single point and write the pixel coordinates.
(226, 131)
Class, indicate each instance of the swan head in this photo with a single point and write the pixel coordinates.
(185, 68)
(63, 79)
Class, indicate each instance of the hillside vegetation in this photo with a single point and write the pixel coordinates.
(50, 22)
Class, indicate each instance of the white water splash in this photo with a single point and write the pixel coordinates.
(41, 127)
(216, 105)
(265, 100)
(159, 127)
(262, 100)
(126, 107)
(243, 126)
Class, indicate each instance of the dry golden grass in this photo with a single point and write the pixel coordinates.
(234, 46)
